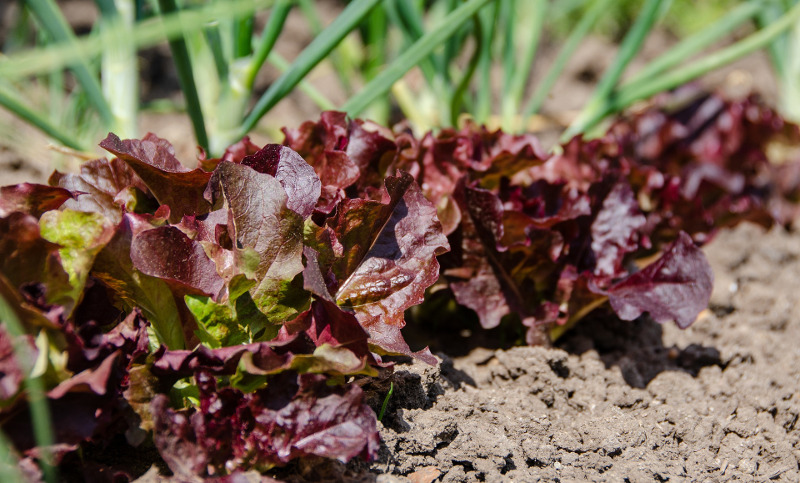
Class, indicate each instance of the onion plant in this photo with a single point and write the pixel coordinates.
(456, 46)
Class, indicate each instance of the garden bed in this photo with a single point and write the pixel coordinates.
(610, 400)
(616, 400)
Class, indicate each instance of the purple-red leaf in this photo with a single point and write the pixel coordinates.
(323, 146)
(33, 199)
(27, 259)
(172, 184)
(615, 230)
(299, 181)
(167, 253)
(113, 266)
(676, 287)
(88, 344)
(389, 258)
(263, 222)
(221, 361)
(506, 263)
(290, 418)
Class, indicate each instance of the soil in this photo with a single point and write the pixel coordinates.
(614, 401)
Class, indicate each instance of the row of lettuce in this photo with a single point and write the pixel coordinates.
(228, 315)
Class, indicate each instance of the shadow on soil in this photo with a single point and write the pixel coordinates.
(636, 348)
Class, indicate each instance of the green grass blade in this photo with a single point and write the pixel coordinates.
(57, 27)
(778, 48)
(18, 34)
(243, 36)
(633, 92)
(577, 34)
(273, 28)
(147, 33)
(9, 465)
(106, 7)
(461, 88)
(507, 20)
(628, 49)
(790, 82)
(376, 46)
(530, 36)
(20, 108)
(453, 45)
(375, 42)
(483, 98)
(699, 41)
(319, 48)
(386, 401)
(40, 412)
(426, 64)
(382, 83)
(315, 95)
(214, 41)
(411, 16)
(119, 66)
(183, 64)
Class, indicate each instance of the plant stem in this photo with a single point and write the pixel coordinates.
(415, 29)
(697, 42)
(144, 34)
(375, 43)
(19, 107)
(452, 46)
(483, 101)
(341, 63)
(214, 41)
(183, 65)
(120, 77)
(632, 92)
(434, 66)
(411, 106)
(319, 48)
(630, 46)
(318, 97)
(557, 331)
(506, 19)
(243, 36)
(577, 34)
(39, 410)
(461, 88)
(411, 57)
(512, 98)
(778, 48)
(277, 18)
(386, 401)
(57, 27)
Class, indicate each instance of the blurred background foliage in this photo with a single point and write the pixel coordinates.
(76, 69)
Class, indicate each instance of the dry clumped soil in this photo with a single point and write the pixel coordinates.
(615, 401)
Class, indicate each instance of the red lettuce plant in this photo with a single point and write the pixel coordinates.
(222, 312)
(160, 284)
(550, 238)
